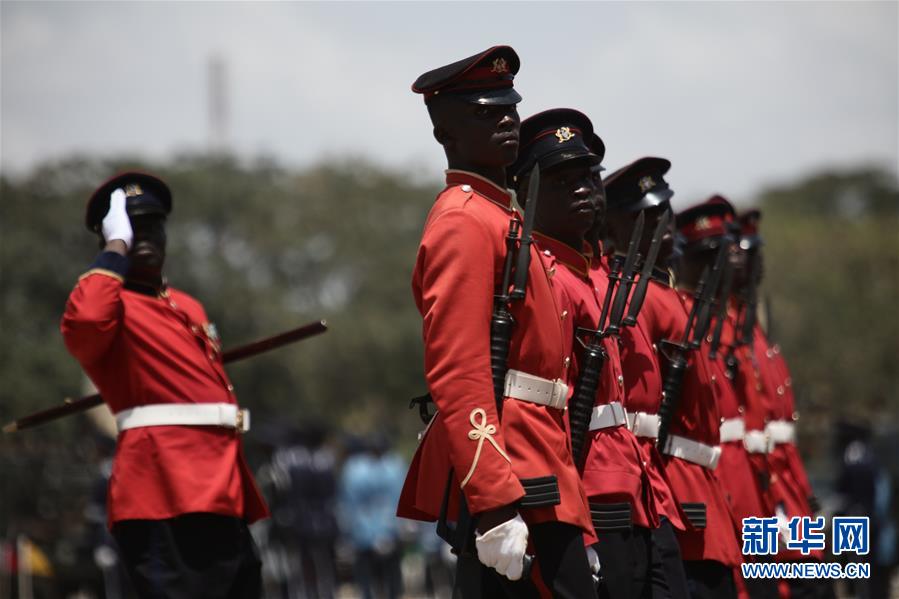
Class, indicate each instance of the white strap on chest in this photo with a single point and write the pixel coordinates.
(607, 416)
(534, 389)
(200, 414)
(732, 429)
(706, 456)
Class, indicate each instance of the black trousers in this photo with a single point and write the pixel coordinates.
(630, 565)
(709, 579)
(562, 560)
(665, 541)
(762, 588)
(194, 556)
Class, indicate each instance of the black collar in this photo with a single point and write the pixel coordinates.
(663, 276)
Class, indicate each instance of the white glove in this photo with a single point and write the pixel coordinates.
(593, 560)
(502, 547)
(116, 224)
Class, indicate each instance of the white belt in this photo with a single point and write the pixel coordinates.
(643, 424)
(607, 415)
(757, 442)
(534, 389)
(693, 451)
(732, 429)
(781, 431)
(188, 414)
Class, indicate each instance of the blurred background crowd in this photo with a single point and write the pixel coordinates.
(303, 169)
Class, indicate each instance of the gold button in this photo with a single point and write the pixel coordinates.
(551, 271)
(788, 382)
(567, 362)
(795, 415)
(780, 390)
(714, 378)
(230, 387)
(769, 353)
(740, 409)
(620, 380)
(194, 328)
(655, 348)
(564, 314)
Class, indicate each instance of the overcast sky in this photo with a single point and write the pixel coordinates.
(736, 95)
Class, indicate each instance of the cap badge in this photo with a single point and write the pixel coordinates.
(646, 183)
(564, 134)
(133, 189)
(703, 223)
(500, 66)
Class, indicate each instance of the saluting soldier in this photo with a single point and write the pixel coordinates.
(558, 142)
(704, 227)
(494, 459)
(708, 544)
(180, 494)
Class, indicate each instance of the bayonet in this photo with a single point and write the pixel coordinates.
(627, 278)
(646, 274)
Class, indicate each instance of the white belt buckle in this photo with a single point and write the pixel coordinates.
(607, 416)
(242, 421)
(643, 424)
(559, 395)
(756, 442)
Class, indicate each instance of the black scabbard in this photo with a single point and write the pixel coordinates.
(500, 340)
(580, 406)
(674, 381)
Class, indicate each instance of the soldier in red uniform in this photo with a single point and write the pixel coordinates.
(643, 388)
(180, 494)
(708, 545)
(612, 469)
(789, 490)
(515, 469)
(704, 228)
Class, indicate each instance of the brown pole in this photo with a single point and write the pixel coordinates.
(73, 406)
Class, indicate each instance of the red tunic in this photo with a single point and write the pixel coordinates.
(643, 384)
(664, 316)
(787, 411)
(758, 410)
(457, 271)
(613, 470)
(742, 487)
(783, 461)
(143, 349)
